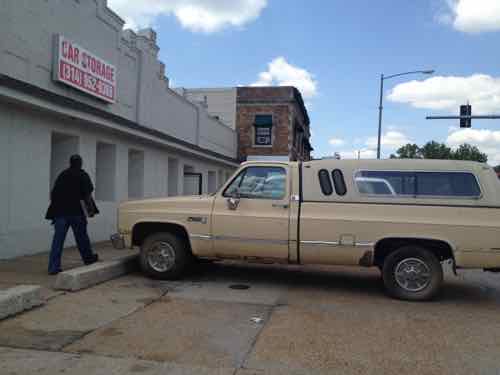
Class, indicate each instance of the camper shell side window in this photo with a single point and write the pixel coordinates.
(420, 184)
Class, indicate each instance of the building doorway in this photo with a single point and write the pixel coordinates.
(193, 182)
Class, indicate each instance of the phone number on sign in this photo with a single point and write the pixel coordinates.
(71, 74)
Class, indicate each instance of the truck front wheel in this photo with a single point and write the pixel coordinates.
(164, 256)
(412, 273)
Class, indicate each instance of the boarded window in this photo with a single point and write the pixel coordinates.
(62, 147)
(212, 182)
(173, 177)
(105, 167)
(135, 174)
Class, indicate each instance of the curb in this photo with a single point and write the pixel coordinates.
(87, 276)
(20, 298)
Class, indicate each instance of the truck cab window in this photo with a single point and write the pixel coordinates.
(260, 183)
(235, 185)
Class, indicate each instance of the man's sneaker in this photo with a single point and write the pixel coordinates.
(53, 273)
(95, 258)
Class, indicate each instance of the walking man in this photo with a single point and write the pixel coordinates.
(72, 187)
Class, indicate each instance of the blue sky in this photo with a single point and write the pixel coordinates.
(335, 52)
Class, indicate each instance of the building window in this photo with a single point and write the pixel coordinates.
(263, 130)
(193, 182)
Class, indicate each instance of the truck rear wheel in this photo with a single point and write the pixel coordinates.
(412, 273)
(164, 256)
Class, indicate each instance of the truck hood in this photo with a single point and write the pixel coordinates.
(197, 202)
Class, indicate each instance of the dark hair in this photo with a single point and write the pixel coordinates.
(75, 161)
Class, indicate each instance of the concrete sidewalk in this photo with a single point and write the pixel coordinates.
(32, 269)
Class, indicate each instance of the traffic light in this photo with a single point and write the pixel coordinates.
(465, 110)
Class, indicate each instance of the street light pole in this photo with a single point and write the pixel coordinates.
(380, 108)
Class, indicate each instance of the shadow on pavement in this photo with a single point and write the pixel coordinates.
(339, 280)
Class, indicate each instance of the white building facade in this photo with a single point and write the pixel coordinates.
(73, 81)
(219, 102)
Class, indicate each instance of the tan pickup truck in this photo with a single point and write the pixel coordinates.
(405, 217)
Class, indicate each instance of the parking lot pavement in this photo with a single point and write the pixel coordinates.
(27, 362)
(291, 320)
(203, 333)
(70, 316)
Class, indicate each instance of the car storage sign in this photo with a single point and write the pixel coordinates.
(81, 69)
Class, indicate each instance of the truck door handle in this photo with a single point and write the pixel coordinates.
(280, 205)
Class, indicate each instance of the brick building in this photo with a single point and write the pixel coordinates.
(272, 123)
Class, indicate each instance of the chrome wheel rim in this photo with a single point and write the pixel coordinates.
(413, 274)
(161, 256)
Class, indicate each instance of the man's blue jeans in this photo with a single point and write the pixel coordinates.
(78, 225)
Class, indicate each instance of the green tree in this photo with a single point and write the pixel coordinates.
(409, 151)
(468, 152)
(435, 150)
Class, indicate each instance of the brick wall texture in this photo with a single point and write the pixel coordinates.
(282, 104)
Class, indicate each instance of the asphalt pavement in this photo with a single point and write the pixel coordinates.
(253, 319)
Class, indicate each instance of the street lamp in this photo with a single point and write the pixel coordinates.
(380, 108)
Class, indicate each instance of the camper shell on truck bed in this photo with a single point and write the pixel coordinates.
(403, 216)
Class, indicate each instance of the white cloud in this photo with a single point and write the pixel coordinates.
(281, 73)
(487, 141)
(336, 142)
(448, 93)
(196, 15)
(390, 140)
(473, 16)
(354, 154)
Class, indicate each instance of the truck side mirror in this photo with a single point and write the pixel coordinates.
(234, 200)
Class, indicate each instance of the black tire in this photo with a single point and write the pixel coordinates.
(412, 261)
(166, 268)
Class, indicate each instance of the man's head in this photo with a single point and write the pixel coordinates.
(76, 162)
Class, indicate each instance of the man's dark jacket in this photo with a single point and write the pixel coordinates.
(72, 186)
